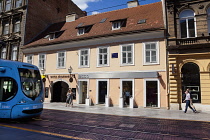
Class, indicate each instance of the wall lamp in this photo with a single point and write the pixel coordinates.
(70, 69)
(43, 75)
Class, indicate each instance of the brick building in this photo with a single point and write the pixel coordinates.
(188, 51)
(116, 58)
(22, 20)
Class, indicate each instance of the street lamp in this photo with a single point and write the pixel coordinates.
(70, 69)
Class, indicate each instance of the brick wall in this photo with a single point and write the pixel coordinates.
(41, 13)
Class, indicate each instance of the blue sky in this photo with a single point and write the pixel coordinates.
(95, 6)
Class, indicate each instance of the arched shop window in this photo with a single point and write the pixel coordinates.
(191, 79)
(187, 24)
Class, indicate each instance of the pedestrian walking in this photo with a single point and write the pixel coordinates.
(188, 101)
(69, 98)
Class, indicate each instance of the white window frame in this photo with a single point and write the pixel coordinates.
(145, 92)
(157, 53)
(116, 25)
(8, 5)
(44, 65)
(14, 52)
(132, 53)
(4, 53)
(98, 56)
(81, 31)
(29, 59)
(88, 59)
(186, 20)
(208, 20)
(133, 87)
(59, 58)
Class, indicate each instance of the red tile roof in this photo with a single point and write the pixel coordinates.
(151, 12)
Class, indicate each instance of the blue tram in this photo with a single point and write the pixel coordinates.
(21, 90)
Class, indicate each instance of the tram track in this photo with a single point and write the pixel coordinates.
(97, 126)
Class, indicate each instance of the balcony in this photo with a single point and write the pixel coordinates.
(186, 43)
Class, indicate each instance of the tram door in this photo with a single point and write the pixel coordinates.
(83, 88)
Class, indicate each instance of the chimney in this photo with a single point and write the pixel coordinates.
(133, 3)
(71, 17)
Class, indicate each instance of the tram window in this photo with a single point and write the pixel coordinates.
(8, 88)
(31, 82)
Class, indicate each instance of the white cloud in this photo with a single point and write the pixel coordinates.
(83, 4)
(95, 12)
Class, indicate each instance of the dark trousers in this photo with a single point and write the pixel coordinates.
(188, 105)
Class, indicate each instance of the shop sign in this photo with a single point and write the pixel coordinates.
(83, 76)
(59, 76)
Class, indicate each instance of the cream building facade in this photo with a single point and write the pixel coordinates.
(116, 58)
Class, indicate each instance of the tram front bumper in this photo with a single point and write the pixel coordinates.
(26, 111)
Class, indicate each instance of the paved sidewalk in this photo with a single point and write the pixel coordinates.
(143, 112)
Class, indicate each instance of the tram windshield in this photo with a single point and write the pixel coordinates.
(30, 82)
(8, 88)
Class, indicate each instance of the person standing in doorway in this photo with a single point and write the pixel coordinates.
(188, 101)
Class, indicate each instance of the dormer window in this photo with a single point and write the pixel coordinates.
(52, 36)
(118, 24)
(83, 29)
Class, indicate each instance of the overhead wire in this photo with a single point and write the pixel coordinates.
(112, 7)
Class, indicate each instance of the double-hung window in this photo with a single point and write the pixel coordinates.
(8, 5)
(0, 6)
(61, 59)
(29, 59)
(208, 12)
(14, 52)
(151, 53)
(103, 56)
(3, 53)
(42, 61)
(84, 57)
(5, 27)
(16, 26)
(18, 3)
(187, 24)
(127, 54)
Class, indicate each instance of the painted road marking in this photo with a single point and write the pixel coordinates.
(43, 132)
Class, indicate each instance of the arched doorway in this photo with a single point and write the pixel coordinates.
(60, 89)
(191, 79)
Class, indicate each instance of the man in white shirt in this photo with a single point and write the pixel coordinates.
(187, 100)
